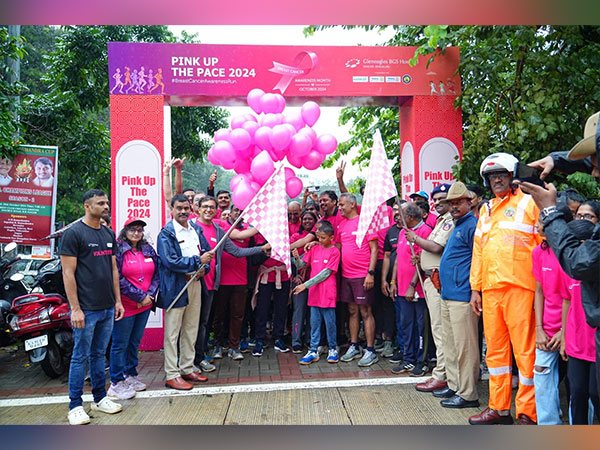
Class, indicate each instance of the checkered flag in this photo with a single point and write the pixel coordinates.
(379, 188)
(267, 212)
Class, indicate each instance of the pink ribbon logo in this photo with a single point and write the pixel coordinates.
(288, 73)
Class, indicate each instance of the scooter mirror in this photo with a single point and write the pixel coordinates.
(10, 247)
(17, 277)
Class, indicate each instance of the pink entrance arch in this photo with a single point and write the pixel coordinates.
(145, 80)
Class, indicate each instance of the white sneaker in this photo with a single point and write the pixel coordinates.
(135, 383)
(78, 416)
(106, 405)
(120, 391)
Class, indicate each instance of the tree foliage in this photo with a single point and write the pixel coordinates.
(526, 90)
(66, 71)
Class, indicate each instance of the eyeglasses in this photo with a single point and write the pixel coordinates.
(501, 175)
(135, 230)
(208, 207)
(585, 216)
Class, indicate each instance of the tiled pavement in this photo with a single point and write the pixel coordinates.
(19, 378)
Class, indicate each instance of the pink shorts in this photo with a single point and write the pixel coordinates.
(352, 291)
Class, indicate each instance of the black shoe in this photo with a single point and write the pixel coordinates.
(397, 358)
(443, 393)
(459, 402)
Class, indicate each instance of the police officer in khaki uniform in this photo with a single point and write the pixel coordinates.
(433, 247)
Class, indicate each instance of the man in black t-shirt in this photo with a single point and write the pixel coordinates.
(91, 282)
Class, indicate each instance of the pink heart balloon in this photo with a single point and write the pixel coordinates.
(269, 103)
(236, 180)
(281, 137)
(313, 160)
(240, 139)
(308, 131)
(237, 122)
(262, 167)
(294, 160)
(289, 173)
(326, 144)
(300, 144)
(253, 100)
(222, 135)
(211, 157)
(243, 194)
(262, 138)
(224, 152)
(294, 118)
(310, 113)
(270, 120)
(280, 103)
(293, 187)
(242, 166)
(251, 127)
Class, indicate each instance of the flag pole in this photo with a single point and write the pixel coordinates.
(214, 250)
(187, 285)
(412, 249)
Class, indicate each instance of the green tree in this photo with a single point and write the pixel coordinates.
(526, 90)
(10, 128)
(68, 105)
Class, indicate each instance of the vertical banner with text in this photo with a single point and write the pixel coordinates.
(28, 195)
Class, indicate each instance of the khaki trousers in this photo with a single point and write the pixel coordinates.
(461, 347)
(434, 304)
(181, 324)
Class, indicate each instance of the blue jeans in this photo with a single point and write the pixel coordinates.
(317, 316)
(126, 336)
(547, 401)
(89, 344)
(412, 328)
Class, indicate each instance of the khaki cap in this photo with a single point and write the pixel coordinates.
(587, 146)
(457, 191)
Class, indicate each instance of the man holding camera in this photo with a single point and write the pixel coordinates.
(581, 260)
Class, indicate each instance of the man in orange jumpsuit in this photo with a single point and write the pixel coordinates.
(503, 289)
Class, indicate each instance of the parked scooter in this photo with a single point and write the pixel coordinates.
(10, 288)
(42, 321)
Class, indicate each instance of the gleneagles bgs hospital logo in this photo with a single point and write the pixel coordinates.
(352, 63)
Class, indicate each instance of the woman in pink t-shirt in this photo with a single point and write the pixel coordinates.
(579, 345)
(138, 269)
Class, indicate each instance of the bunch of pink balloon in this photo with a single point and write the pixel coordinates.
(255, 142)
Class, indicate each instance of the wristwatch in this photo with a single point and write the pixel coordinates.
(371, 272)
(547, 211)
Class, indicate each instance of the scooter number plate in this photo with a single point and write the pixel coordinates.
(36, 342)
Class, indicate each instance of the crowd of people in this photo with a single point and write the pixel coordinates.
(520, 269)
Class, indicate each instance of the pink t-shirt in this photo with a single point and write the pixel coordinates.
(294, 227)
(406, 270)
(547, 271)
(431, 220)
(296, 237)
(211, 236)
(323, 294)
(138, 270)
(579, 337)
(234, 271)
(355, 260)
(381, 240)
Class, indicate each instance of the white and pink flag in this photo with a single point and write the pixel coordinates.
(267, 212)
(379, 188)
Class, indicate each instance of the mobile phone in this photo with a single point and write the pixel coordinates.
(529, 174)
(314, 188)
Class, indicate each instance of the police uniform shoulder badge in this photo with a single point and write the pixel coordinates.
(446, 226)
